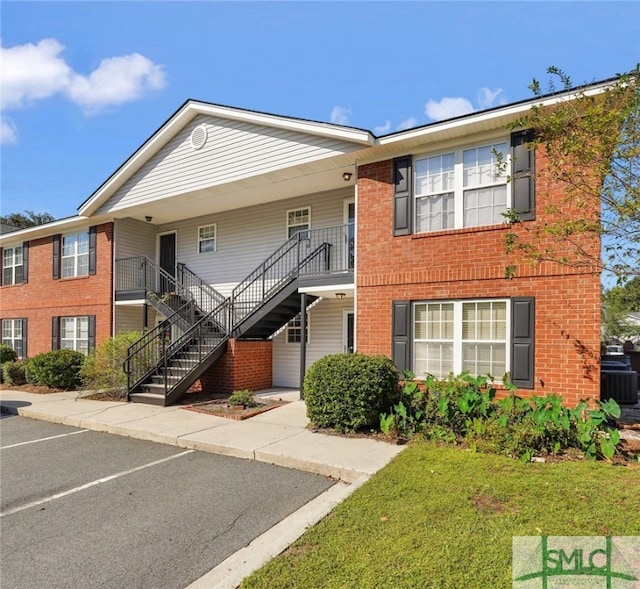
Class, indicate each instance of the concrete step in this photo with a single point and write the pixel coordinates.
(148, 398)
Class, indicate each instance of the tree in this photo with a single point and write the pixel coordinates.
(27, 219)
(617, 304)
(591, 138)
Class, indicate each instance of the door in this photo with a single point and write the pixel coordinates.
(348, 339)
(167, 261)
(350, 235)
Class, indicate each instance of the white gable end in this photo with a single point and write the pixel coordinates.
(233, 151)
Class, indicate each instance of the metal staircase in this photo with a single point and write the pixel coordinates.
(167, 360)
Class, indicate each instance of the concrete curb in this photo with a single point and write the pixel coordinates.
(230, 572)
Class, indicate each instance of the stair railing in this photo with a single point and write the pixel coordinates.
(145, 354)
(205, 296)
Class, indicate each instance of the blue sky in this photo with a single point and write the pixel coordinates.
(84, 84)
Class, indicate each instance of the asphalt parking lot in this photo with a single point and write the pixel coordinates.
(81, 509)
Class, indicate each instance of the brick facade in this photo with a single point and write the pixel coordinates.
(470, 263)
(42, 297)
(246, 364)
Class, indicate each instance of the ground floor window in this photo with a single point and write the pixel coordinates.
(14, 334)
(74, 333)
(457, 336)
(294, 330)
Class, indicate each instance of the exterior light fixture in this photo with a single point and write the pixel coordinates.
(148, 219)
(346, 176)
(340, 295)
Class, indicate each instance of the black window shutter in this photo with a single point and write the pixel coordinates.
(55, 333)
(402, 196)
(57, 239)
(25, 353)
(522, 341)
(25, 262)
(92, 332)
(93, 230)
(1, 265)
(401, 335)
(522, 175)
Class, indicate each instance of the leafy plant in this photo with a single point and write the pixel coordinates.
(56, 369)
(13, 372)
(242, 397)
(7, 354)
(103, 367)
(348, 392)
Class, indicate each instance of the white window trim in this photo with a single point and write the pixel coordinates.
(294, 211)
(12, 338)
(215, 238)
(74, 339)
(75, 255)
(457, 332)
(13, 264)
(299, 328)
(459, 187)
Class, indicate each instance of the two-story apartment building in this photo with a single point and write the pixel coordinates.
(215, 234)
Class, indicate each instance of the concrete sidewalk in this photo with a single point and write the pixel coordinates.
(279, 436)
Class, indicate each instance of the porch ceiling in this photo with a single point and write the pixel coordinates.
(243, 193)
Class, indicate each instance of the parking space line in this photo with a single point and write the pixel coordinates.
(44, 439)
(93, 483)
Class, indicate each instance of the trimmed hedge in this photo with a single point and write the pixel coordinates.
(13, 372)
(347, 392)
(56, 369)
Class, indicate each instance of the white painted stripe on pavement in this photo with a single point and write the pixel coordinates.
(44, 439)
(93, 484)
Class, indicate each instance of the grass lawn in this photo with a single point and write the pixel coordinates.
(444, 517)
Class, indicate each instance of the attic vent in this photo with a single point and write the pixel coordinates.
(198, 137)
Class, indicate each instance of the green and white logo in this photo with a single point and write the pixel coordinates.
(555, 562)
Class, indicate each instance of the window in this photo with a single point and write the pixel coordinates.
(457, 336)
(75, 255)
(207, 238)
(298, 221)
(14, 333)
(294, 330)
(74, 333)
(12, 265)
(461, 189)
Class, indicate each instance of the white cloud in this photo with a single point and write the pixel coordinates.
(488, 98)
(341, 115)
(382, 129)
(8, 133)
(116, 81)
(32, 72)
(447, 108)
(407, 124)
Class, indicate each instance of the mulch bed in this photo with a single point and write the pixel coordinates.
(221, 408)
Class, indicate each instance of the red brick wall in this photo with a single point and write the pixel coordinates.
(246, 364)
(470, 263)
(42, 298)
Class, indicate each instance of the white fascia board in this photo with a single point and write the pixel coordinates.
(512, 112)
(187, 113)
(61, 226)
(310, 127)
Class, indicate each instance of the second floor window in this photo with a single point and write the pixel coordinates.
(207, 238)
(75, 255)
(12, 265)
(298, 221)
(461, 188)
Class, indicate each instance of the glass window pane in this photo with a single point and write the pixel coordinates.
(83, 243)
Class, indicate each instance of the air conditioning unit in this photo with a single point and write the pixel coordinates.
(619, 385)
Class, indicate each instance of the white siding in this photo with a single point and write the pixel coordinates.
(134, 238)
(246, 237)
(234, 150)
(325, 337)
(128, 318)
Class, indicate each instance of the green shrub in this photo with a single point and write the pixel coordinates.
(7, 354)
(243, 397)
(13, 372)
(103, 367)
(348, 392)
(56, 369)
